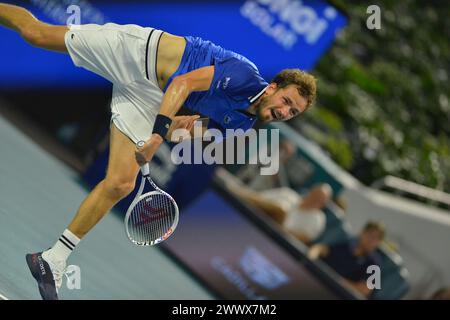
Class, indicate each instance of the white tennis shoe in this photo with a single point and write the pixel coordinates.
(58, 268)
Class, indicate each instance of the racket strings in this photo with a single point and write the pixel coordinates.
(151, 218)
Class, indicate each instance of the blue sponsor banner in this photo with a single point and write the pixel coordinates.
(275, 34)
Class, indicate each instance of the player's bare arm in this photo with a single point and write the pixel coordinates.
(177, 92)
(33, 31)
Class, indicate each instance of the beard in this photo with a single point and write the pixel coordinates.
(262, 105)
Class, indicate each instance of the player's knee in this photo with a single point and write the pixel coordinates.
(118, 188)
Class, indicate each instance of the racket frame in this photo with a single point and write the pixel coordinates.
(145, 171)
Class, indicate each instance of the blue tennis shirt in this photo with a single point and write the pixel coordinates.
(236, 84)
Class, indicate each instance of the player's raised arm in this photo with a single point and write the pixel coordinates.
(178, 91)
(182, 86)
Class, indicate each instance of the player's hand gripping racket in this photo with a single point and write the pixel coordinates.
(152, 217)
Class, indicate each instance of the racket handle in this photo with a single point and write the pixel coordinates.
(145, 170)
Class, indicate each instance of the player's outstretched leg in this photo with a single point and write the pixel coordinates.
(48, 267)
(35, 32)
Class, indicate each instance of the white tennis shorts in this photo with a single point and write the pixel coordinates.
(125, 55)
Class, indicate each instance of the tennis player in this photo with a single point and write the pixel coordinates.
(154, 74)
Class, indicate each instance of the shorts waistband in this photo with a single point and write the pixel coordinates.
(151, 54)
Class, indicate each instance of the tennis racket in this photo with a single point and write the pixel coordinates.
(152, 217)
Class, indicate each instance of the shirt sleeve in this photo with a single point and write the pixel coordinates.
(237, 78)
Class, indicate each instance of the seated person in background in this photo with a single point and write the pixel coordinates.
(341, 202)
(300, 216)
(352, 258)
(250, 174)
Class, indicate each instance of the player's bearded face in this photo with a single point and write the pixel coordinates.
(281, 105)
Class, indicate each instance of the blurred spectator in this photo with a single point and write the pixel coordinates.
(341, 202)
(250, 174)
(441, 294)
(300, 216)
(352, 258)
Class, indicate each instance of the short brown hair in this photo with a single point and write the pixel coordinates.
(306, 83)
(376, 225)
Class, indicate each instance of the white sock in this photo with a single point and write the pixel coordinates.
(63, 247)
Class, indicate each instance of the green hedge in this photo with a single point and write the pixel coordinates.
(383, 101)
